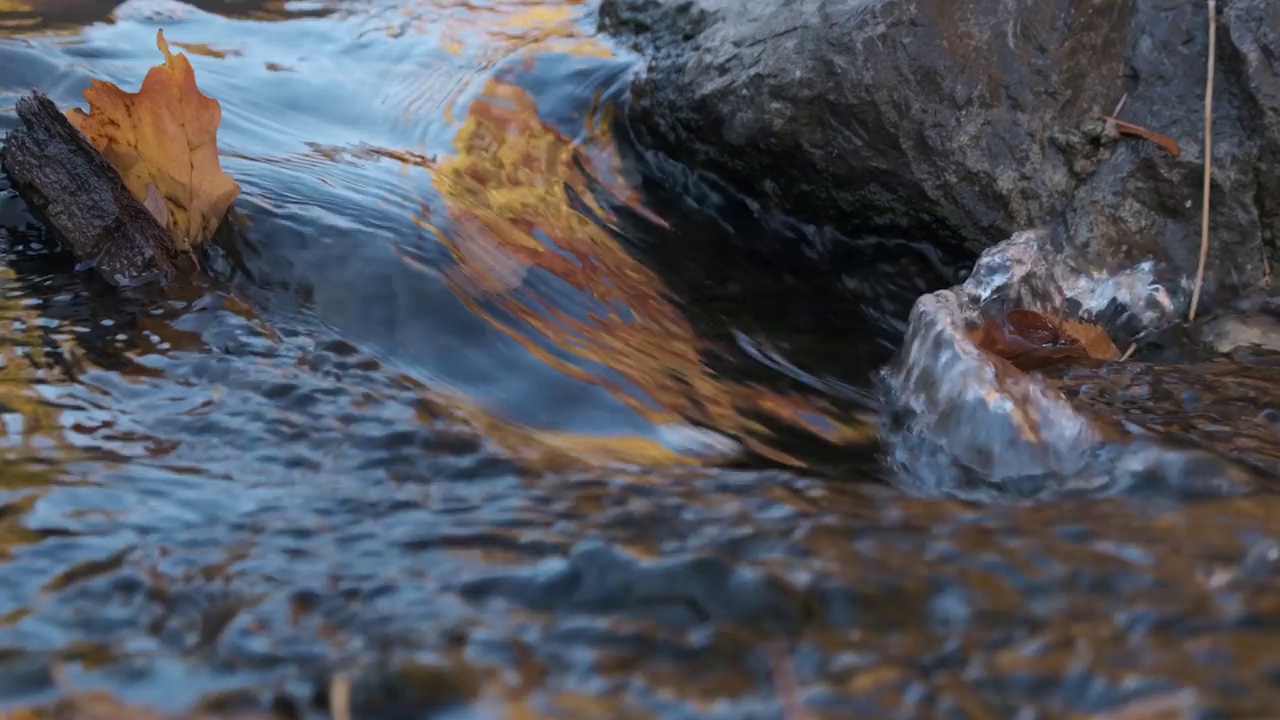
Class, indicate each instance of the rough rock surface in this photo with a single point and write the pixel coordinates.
(966, 122)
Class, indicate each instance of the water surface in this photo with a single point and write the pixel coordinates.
(507, 418)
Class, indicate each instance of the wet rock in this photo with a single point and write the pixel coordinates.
(967, 122)
(961, 420)
(1228, 332)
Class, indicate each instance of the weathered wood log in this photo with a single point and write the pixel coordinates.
(71, 187)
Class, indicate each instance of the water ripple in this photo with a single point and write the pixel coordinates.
(420, 430)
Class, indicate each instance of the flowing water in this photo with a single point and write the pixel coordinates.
(503, 417)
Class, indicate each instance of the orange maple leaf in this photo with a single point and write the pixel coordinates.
(163, 141)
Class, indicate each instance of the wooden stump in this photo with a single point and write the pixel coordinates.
(71, 188)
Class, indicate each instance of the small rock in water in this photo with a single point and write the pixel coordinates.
(965, 415)
(1226, 333)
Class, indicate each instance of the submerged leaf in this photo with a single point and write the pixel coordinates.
(163, 140)
(1030, 340)
(1096, 342)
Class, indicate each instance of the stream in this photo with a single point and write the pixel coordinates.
(495, 413)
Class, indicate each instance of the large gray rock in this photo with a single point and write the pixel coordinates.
(967, 121)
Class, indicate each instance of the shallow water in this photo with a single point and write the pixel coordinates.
(506, 418)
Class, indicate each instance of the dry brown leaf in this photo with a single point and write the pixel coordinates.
(163, 139)
(1030, 340)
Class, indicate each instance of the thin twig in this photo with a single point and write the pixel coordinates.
(784, 683)
(1129, 353)
(340, 697)
(1208, 159)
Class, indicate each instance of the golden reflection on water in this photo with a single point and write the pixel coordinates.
(67, 17)
(32, 446)
(509, 190)
(499, 29)
(28, 423)
(512, 224)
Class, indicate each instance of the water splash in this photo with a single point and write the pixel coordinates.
(960, 420)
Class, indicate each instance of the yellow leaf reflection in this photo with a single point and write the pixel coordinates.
(31, 437)
(25, 419)
(205, 49)
(499, 29)
(518, 241)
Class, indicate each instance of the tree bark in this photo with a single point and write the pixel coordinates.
(71, 187)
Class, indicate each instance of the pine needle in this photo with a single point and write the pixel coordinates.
(1120, 105)
(1208, 158)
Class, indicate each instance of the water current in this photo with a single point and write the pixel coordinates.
(501, 416)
